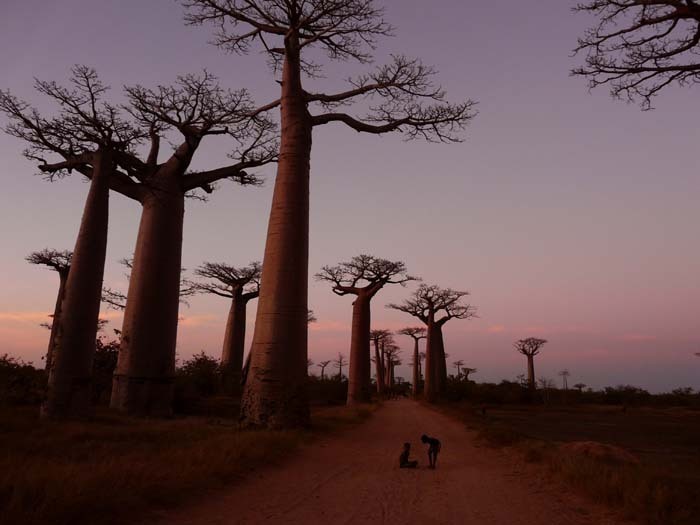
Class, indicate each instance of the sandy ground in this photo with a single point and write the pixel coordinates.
(354, 478)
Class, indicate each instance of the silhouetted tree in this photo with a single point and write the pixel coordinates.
(458, 365)
(87, 135)
(416, 333)
(60, 263)
(310, 317)
(638, 47)
(362, 277)
(322, 365)
(530, 347)
(240, 285)
(402, 98)
(379, 338)
(339, 364)
(194, 109)
(391, 361)
(580, 386)
(564, 374)
(427, 304)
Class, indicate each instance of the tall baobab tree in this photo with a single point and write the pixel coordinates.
(322, 365)
(416, 333)
(434, 306)
(86, 135)
(639, 47)
(379, 338)
(362, 277)
(339, 364)
(60, 263)
(240, 286)
(403, 98)
(193, 110)
(530, 347)
(391, 361)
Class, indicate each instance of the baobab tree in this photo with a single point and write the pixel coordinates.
(564, 374)
(240, 286)
(339, 364)
(434, 306)
(467, 372)
(60, 263)
(403, 98)
(194, 109)
(362, 277)
(580, 386)
(416, 333)
(639, 47)
(391, 361)
(322, 365)
(530, 347)
(379, 338)
(86, 135)
(458, 365)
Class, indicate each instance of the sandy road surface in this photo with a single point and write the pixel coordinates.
(354, 478)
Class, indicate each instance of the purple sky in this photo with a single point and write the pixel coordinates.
(568, 215)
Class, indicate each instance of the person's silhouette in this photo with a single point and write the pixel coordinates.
(404, 462)
(434, 447)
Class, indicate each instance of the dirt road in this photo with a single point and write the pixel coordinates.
(354, 478)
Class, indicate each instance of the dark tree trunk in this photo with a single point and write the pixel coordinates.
(143, 380)
(274, 395)
(359, 375)
(379, 367)
(233, 348)
(63, 277)
(69, 390)
(531, 372)
(416, 367)
(441, 364)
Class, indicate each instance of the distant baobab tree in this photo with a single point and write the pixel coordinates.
(311, 317)
(428, 304)
(59, 261)
(339, 364)
(637, 47)
(309, 363)
(546, 385)
(391, 361)
(322, 365)
(362, 277)
(240, 285)
(416, 333)
(468, 371)
(193, 109)
(458, 365)
(530, 347)
(564, 374)
(87, 135)
(402, 98)
(380, 338)
(580, 386)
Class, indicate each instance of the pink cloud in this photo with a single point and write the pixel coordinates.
(638, 338)
(496, 329)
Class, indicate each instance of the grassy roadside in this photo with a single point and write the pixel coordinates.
(642, 490)
(105, 470)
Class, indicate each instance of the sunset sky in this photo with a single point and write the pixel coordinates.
(566, 214)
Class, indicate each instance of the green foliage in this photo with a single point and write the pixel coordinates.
(20, 382)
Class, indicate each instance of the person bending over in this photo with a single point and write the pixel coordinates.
(404, 462)
(434, 447)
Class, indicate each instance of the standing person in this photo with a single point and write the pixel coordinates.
(434, 447)
(404, 462)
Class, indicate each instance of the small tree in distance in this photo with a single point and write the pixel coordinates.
(362, 277)
(468, 371)
(339, 364)
(458, 365)
(322, 365)
(416, 333)
(60, 263)
(530, 347)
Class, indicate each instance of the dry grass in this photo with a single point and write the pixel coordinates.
(661, 489)
(107, 469)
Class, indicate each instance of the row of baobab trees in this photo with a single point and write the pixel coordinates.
(118, 147)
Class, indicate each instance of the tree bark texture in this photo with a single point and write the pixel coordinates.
(234, 343)
(63, 277)
(359, 374)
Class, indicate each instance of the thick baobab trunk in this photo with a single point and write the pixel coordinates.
(63, 277)
(70, 376)
(143, 380)
(275, 392)
(416, 367)
(360, 366)
(441, 361)
(234, 343)
(379, 367)
(432, 351)
(531, 372)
